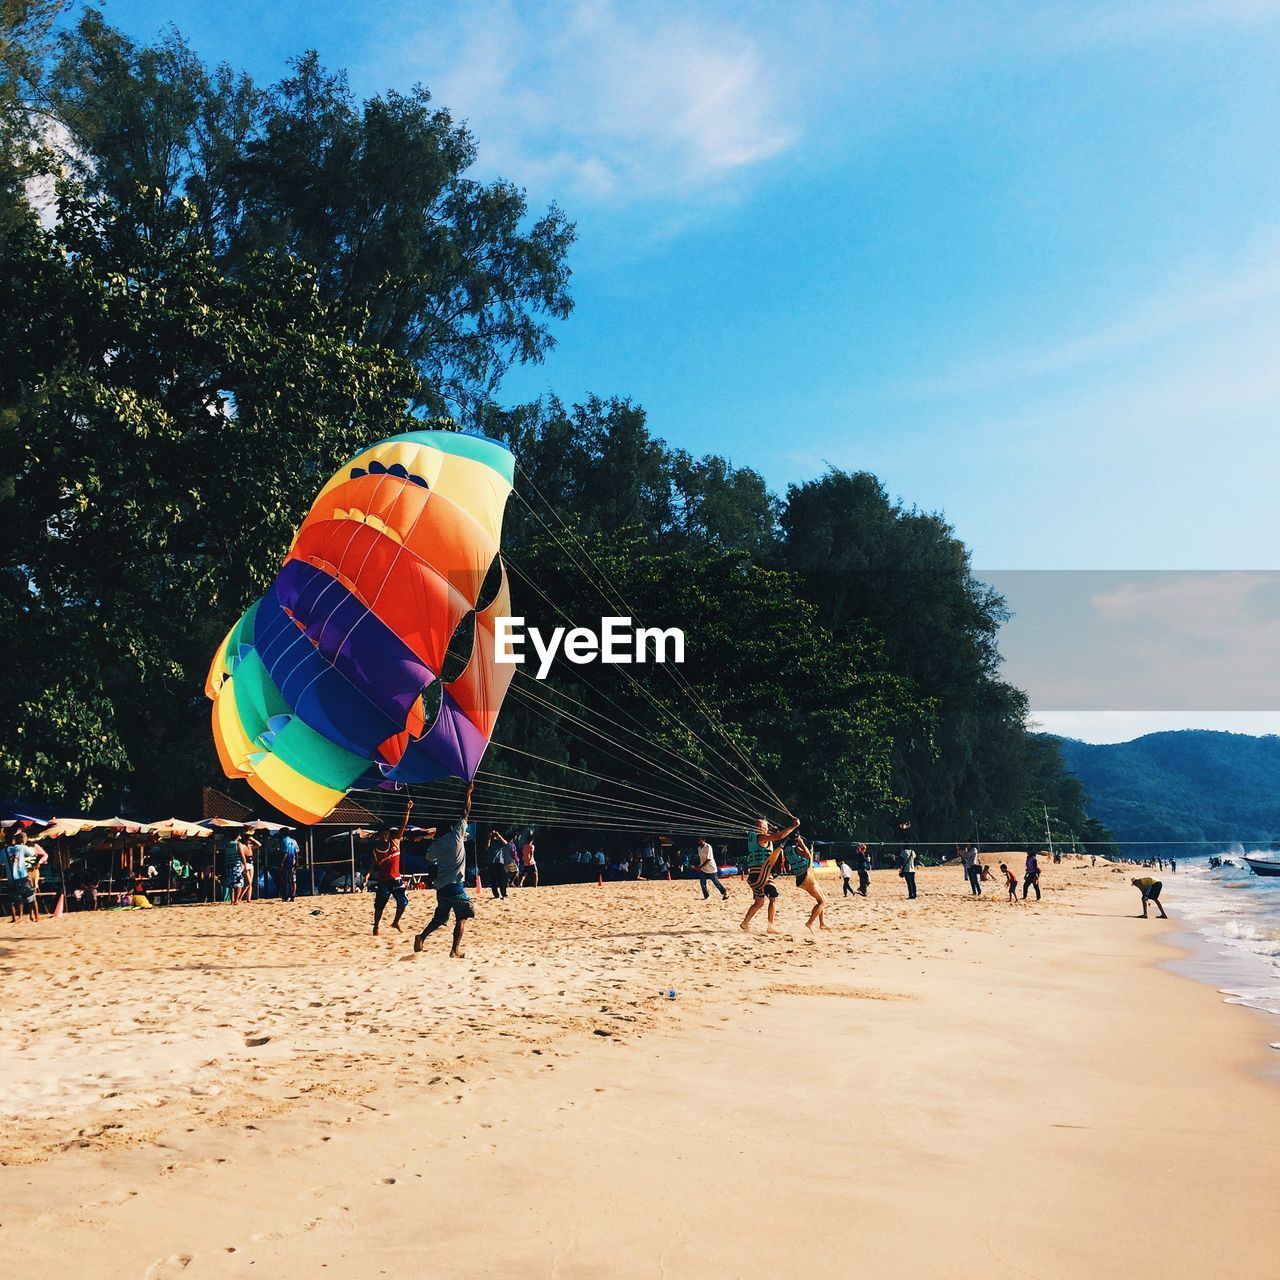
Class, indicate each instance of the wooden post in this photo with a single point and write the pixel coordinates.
(351, 836)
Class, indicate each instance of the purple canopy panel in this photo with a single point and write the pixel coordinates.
(452, 747)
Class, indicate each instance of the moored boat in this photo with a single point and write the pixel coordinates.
(1263, 867)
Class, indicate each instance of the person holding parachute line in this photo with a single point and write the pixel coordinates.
(800, 864)
(764, 854)
(449, 851)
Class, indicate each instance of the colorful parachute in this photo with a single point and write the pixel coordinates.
(336, 678)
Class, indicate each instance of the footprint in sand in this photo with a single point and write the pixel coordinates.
(173, 1265)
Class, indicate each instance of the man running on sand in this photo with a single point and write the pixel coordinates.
(384, 865)
(709, 870)
(1150, 890)
(449, 849)
(800, 864)
(764, 853)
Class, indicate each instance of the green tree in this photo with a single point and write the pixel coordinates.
(870, 565)
(167, 421)
(411, 253)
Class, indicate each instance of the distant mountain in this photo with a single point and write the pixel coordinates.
(1193, 784)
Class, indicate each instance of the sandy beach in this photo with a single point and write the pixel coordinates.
(945, 1087)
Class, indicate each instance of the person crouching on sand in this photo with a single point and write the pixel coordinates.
(449, 850)
(1150, 890)
(800, 863)
(764, 853)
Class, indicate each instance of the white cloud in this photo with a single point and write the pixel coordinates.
(593, 101)
(1177, 643)
(1195, 299)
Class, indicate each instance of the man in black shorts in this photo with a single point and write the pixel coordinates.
(1150, 890)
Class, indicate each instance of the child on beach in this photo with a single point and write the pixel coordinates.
(449, 850)
(846, 875)
(1010, 882)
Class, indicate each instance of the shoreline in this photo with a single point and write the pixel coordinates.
(963, 1089)
(1194, 959)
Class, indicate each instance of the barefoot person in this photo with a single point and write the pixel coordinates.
(233, 869)
(800, 864)
(1010, 882)
(529, 863)
(1150, 890)
(248, 846)
(449, 850)
(384, 866)
(764, 853)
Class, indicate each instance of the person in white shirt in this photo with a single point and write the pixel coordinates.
(846, 874)
(709, 871)
(908, 871)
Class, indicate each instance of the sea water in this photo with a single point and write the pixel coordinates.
(1233, 917)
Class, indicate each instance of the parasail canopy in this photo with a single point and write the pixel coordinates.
(340, 676)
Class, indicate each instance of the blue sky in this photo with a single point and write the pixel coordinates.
(1020, 260)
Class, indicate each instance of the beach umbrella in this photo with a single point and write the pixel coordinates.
(22, 820)
(223, 822)
(177, 829)
(260, 824)
(122, 825)
(60, 827)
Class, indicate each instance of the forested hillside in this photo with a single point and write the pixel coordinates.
(1188, 785)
